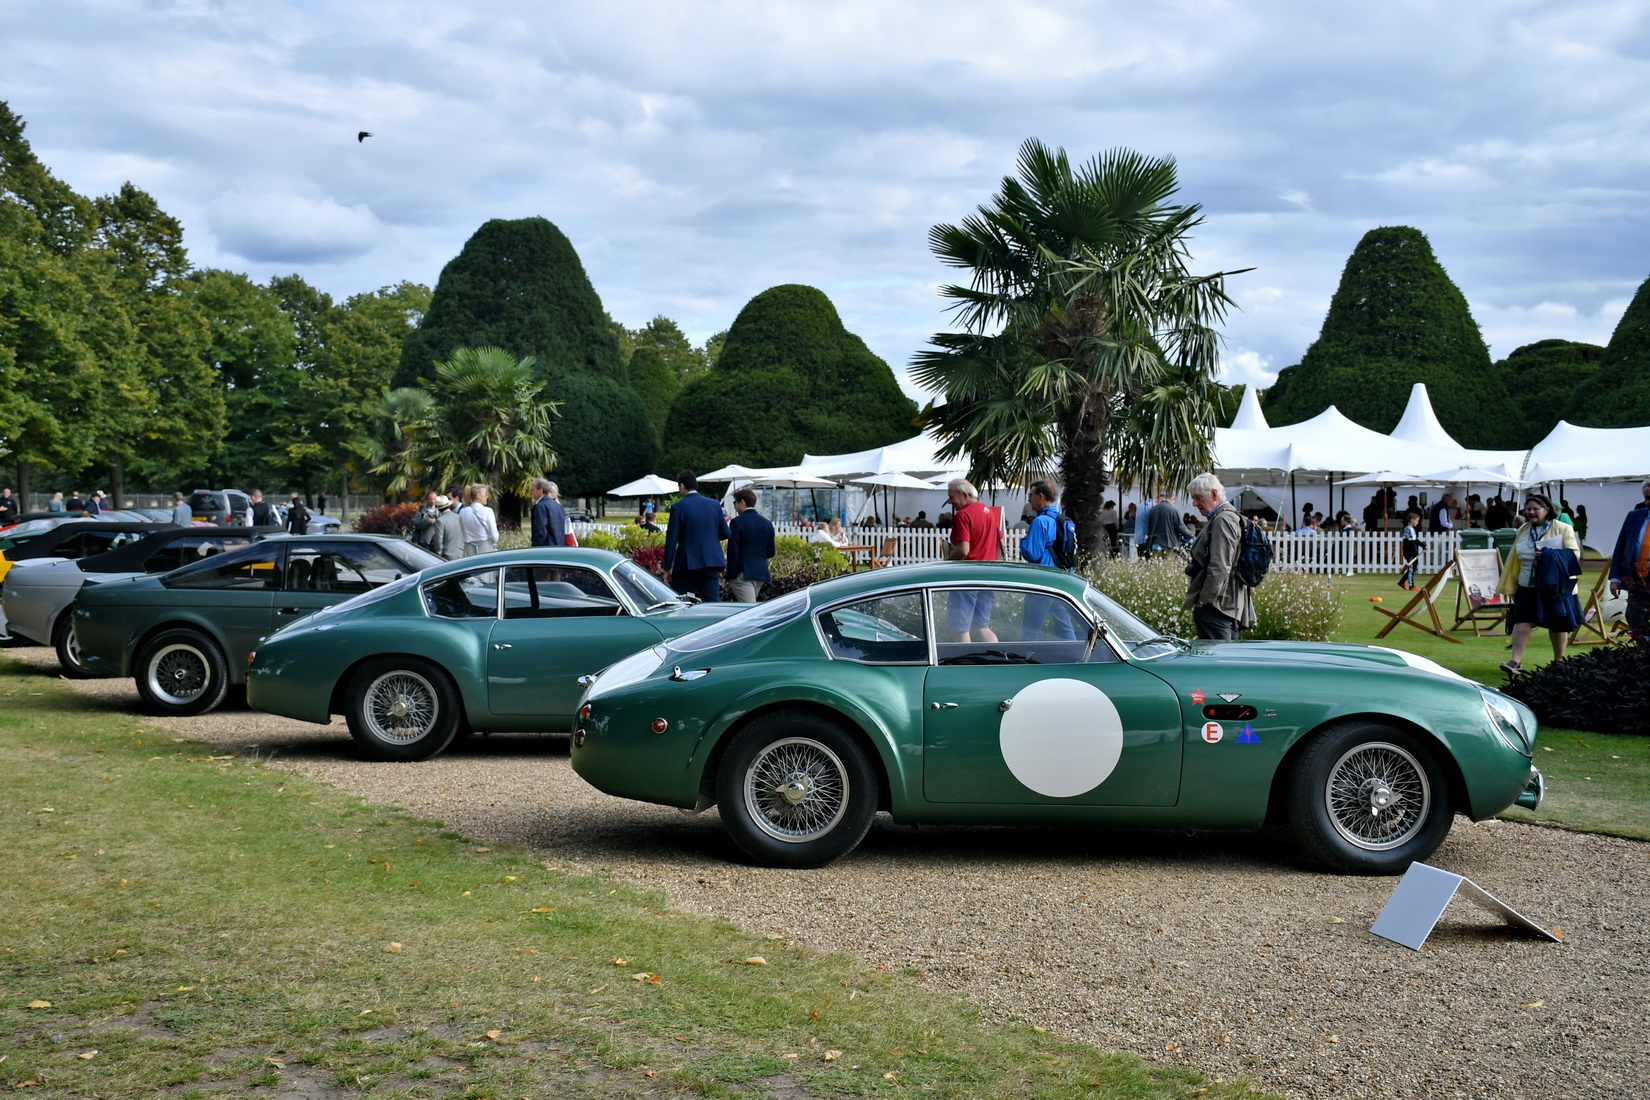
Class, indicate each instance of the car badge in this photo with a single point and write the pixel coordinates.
(1213, 732)
(1247, 737)
(1197, 697)
(1231, 696)
(1269, 713)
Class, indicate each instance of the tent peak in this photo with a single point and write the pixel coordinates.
(1249, 415)
(1419, 423)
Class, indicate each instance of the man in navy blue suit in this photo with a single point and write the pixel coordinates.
(1630, 568)
(750, 545)
(693, 542)
(549, 517)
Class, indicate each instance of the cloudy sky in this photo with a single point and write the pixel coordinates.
(697, 153)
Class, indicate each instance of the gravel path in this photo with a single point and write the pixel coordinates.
(1215, 952)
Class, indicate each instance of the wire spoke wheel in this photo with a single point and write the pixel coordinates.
(400, 707)
(178, 674)
(796, 790)
(1378, 796)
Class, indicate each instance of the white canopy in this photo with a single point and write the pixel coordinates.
(649, 486)
(1249, 417)
(1570, 453)
(917, 456)
(1332, 443)
(1419, 424)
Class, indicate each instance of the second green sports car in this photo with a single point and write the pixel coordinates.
(973, 693)
(496, 642)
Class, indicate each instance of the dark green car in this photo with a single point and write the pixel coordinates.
(1019, 695)
(496, 642)
(185, 636)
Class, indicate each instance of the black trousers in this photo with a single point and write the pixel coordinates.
(1211, 623)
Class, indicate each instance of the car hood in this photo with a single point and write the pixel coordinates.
(685, 617)
(1269, 654)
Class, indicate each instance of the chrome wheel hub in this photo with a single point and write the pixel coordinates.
(400, 708)
(796, 790)
(1377, 796)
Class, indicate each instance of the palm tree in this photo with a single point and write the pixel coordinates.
(492, 421)
(1085, 340)
(389, 452)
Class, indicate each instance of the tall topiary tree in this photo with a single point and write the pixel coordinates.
(1397, 319)
(790, 380)
(1543, 377)
(652, 378)
(1618, 395)
(518, 285)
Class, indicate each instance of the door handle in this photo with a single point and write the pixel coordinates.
(288, 610)
(942, 706)
(505, 645)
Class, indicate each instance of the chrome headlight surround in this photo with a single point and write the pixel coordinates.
(1512, 720)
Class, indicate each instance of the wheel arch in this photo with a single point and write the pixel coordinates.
(1276, 812)
(236, 676)
(853, 726)
(337, 698)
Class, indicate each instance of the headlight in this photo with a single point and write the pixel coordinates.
(1514, 721)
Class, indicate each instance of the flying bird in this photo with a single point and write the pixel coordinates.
(362, 136)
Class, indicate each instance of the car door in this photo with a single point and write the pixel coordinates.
(560, 622)
(1020, 708)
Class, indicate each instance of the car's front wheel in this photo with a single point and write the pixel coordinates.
(402, 709)
(796, 790)
(68, 649)
(181, 673)
(1367, 798)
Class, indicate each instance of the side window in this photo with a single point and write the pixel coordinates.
(557, 591)
(254, 572)
(885, 630)
(984, 626)
(466, 596)
(351, 568)
(189, 549)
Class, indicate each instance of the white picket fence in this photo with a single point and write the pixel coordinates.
(1359, 552)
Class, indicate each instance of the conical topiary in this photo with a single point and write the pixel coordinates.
(790, 379)
(1397, 319)
(1618, 395)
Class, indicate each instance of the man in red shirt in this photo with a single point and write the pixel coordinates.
(974, 537)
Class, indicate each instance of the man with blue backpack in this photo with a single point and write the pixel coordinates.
(1051, 540)
(1229, 557)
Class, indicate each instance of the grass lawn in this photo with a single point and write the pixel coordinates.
(1596, 782)
(178, 924)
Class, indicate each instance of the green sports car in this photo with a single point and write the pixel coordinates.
(496, 642)
(1019, 695)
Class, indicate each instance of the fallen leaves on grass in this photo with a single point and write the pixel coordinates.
(756, 960)
(40, 1004)
(393, 949)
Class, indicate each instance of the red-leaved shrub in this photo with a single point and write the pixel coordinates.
(388, 519)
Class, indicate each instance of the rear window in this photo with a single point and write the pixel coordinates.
(242, 571)
(761, 617)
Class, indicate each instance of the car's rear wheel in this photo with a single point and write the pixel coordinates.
(402, 709)
(1367, 798)
(68, 649)
(181, 673)
(796, 790)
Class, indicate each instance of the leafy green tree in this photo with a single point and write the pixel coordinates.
(170, 408)
(652, 378)
(713, 348)
(62, 220)
(1397, 319)
(1086, 342)
(519, 286)
(389, 449)
(251, 351)
(664, 336)
(1618, 395)
(791, 379)
(1541, 379)
(491, 422)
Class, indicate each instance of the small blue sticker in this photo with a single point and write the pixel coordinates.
(1247, 737)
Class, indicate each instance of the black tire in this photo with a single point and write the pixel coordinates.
(402, 709)
(796, 790)
(1368, 799)
(180, 673)
(68, 649)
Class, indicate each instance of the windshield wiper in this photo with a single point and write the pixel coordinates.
(1179, 643)
(664, 603)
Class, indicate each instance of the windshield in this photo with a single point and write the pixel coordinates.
(1138, 638)
(735, 628)
(643, 588)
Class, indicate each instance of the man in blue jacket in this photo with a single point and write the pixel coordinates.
(693, 542)
(750, 545)
(1044, 612)
(1630, 568)
(549, 517)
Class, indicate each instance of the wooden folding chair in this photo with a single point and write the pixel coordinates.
(1426, 596)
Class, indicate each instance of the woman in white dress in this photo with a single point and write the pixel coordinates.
(479, 523)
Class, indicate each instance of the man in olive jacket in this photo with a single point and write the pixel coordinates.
(1221, 605)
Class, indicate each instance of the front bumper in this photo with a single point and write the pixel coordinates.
(1535, 792)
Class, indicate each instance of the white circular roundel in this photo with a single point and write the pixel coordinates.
(1061, 738)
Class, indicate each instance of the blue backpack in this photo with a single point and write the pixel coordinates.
(1063, 547)
(1254, 555)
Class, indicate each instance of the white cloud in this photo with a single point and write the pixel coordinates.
(272, 225)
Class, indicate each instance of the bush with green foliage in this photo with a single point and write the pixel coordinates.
(652, 378)
(1618, 395)
(519, 285)
(1543, 377)
(1289, 606)
(789, 380)
(1397, 319)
